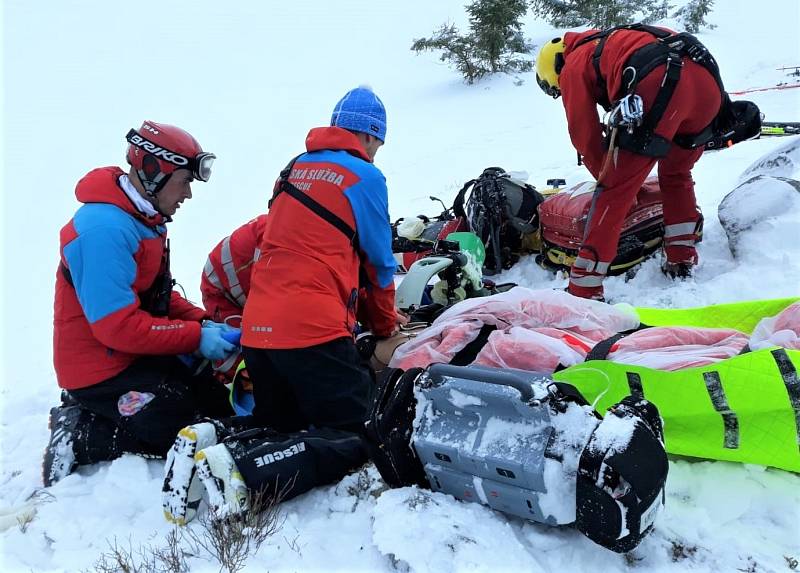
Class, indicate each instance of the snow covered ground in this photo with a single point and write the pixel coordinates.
(248, 79)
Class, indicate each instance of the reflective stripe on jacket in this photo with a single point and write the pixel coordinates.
(225, 283)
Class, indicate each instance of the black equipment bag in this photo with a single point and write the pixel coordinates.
(621, 490)
(501, 211)
(737, 121)
(389, 427)
(291, 464)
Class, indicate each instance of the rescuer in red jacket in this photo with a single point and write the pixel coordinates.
(300, 317)
(226, 275)
(118, 326)
(326, 237)
(675, 82)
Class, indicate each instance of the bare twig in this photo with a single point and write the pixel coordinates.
(229, 538)
(145, 559)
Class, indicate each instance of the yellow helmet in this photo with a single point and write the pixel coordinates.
(548, 66)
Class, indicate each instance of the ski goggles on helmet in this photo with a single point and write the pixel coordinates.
(200, 165)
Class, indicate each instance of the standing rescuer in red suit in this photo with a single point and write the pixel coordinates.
(119, 326)
(663, 91)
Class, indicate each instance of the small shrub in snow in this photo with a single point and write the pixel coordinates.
(681, 551)
(146, 559)
(230, 538)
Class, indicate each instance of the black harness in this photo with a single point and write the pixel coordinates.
(668, 49)
(284, 186)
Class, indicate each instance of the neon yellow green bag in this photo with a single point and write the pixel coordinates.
(743, 409)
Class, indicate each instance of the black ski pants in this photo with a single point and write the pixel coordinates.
(311, 404)
(141, 409)
(324, 386)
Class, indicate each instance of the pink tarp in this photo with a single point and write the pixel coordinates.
(780, 330)
(538, 330)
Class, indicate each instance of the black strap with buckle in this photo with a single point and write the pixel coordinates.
(669, 49)
(284, 186)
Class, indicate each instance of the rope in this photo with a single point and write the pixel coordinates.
(783, 87)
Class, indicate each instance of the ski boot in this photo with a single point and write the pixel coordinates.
(182, 490)
(59, 456)
(227, 491)
(679, 271)
(589, 293)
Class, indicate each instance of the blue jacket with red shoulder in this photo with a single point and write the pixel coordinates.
(113, 254)
(304, 287)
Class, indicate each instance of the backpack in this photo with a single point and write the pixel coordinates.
(563, 219)
(501, 210)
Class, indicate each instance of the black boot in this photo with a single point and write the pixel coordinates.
(677, 270)
(78, 437)
(59, 457)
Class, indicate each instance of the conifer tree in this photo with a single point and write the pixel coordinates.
(493, 44)
(496, 28)
(599, 13)
(693, 15)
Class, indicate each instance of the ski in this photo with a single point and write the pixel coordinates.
(771, 129)
(774, 128)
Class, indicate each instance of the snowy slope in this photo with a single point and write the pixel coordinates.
(249, 79)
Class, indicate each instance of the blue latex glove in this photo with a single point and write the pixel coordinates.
(221, 325)
(234, 336)
(213, 345)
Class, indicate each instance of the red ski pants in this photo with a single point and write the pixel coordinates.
(693, 106)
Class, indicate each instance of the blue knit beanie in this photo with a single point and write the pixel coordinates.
(361, 110)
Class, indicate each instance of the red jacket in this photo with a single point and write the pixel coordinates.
(113, 253)
(305, 285)
(226, 275)
(581, 93)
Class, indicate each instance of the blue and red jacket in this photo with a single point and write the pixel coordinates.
(304, 289)
(113, 254)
